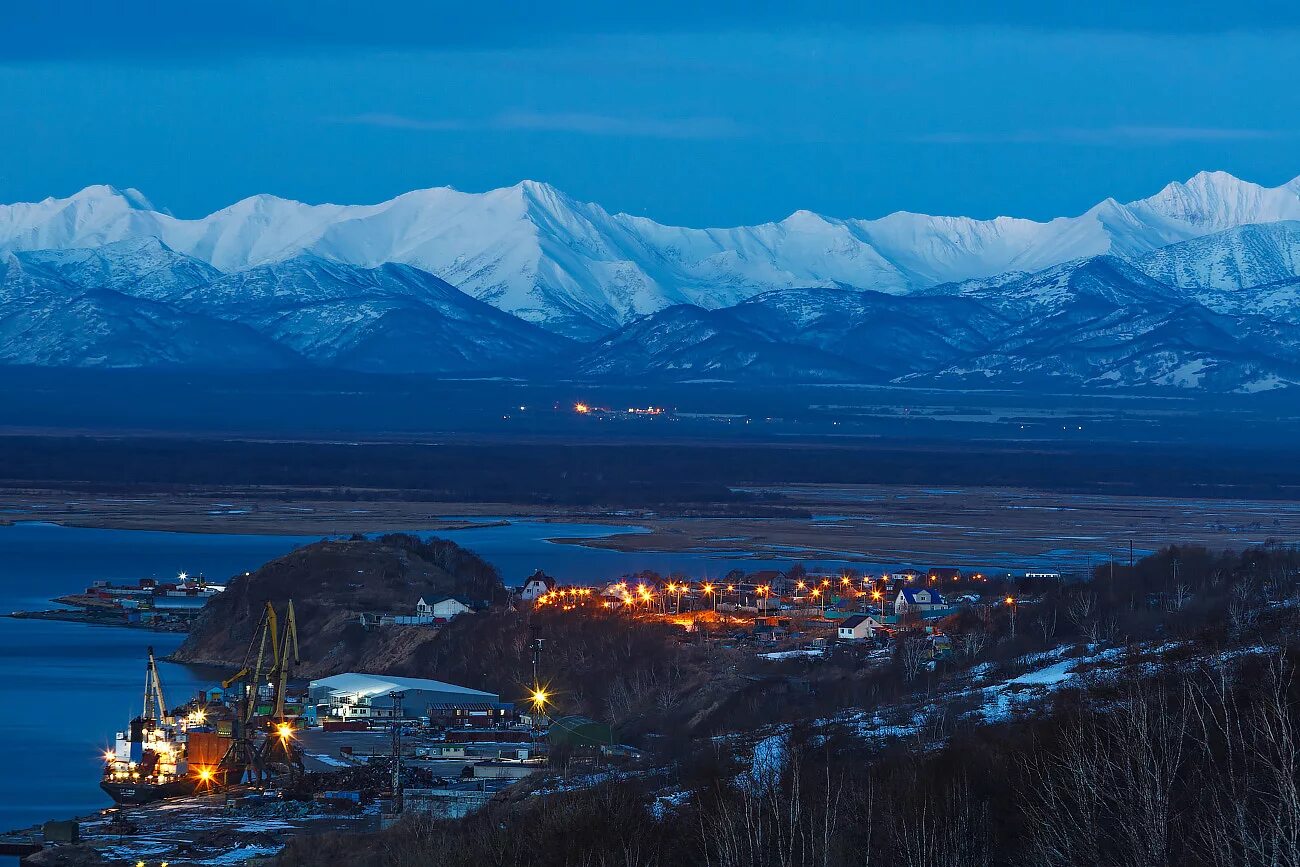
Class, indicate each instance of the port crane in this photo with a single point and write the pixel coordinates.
(270, 659)
(155, 707)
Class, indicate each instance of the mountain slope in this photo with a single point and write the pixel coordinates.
(1246, 269)
(576, 269)
(47, 322)
(388, 319)
(877, 331)
(1100, 322)
(143, 267)
(1083, 287)
(686, 343)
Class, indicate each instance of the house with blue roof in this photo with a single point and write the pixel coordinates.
(920, 601)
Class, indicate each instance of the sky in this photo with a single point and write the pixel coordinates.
(696, 113)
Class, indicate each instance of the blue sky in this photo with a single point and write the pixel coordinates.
(696, 113)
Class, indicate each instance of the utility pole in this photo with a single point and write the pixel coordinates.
(537, 656)
(397, 750)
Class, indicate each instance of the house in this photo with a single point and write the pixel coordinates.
(905, 575)
(938, 574)
(444, 607)
(918, 600)
(771, 629)
(857, 627)
(538, 585)
(1055, 576)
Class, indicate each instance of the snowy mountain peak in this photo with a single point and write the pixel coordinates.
(129, 196)
(1218, 200)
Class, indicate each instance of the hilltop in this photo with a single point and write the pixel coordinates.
(330, 584)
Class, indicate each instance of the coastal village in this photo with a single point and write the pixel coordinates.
(359, 749)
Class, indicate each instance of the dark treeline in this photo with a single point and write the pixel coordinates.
(1187, 757)
(630, 474)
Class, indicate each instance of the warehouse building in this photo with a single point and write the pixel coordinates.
(356, 696)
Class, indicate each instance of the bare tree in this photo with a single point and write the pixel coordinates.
(1080, 612)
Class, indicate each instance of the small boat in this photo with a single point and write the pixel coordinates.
(163, 755)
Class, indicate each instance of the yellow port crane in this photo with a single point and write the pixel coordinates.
(284, 662)
(251, 673)
(270, 658)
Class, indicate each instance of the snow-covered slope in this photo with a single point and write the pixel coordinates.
(577, 269)
(393, 318)
(1247, 269)
(47, 322)
(690, 344)
(138, 303)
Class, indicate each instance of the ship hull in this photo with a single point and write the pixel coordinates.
(147, 793)
(137, 792)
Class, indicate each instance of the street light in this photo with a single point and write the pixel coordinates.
(1011, 603)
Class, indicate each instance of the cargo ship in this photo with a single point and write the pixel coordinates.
(162, 755)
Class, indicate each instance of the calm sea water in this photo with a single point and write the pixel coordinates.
(65, 688)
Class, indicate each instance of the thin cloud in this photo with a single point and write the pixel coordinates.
(1115, 135)
(565, 122)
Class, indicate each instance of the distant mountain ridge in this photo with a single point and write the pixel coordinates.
(1216, 311)
(578, 270)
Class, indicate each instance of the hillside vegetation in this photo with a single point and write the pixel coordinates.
(1159, 729)
(330, 584)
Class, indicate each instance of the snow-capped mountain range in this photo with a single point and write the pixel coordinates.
(1197, 286)
(579, 270)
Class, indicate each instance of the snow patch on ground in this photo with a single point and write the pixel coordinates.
(790, 654)
(771, 755)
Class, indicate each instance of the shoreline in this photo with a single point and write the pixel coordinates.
(54, 614)
(982, 528)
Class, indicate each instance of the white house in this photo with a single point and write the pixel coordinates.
(536, 586)
(857, 627)
(445, 608)
(918, 600)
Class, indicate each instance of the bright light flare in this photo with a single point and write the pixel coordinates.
(284, 730)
